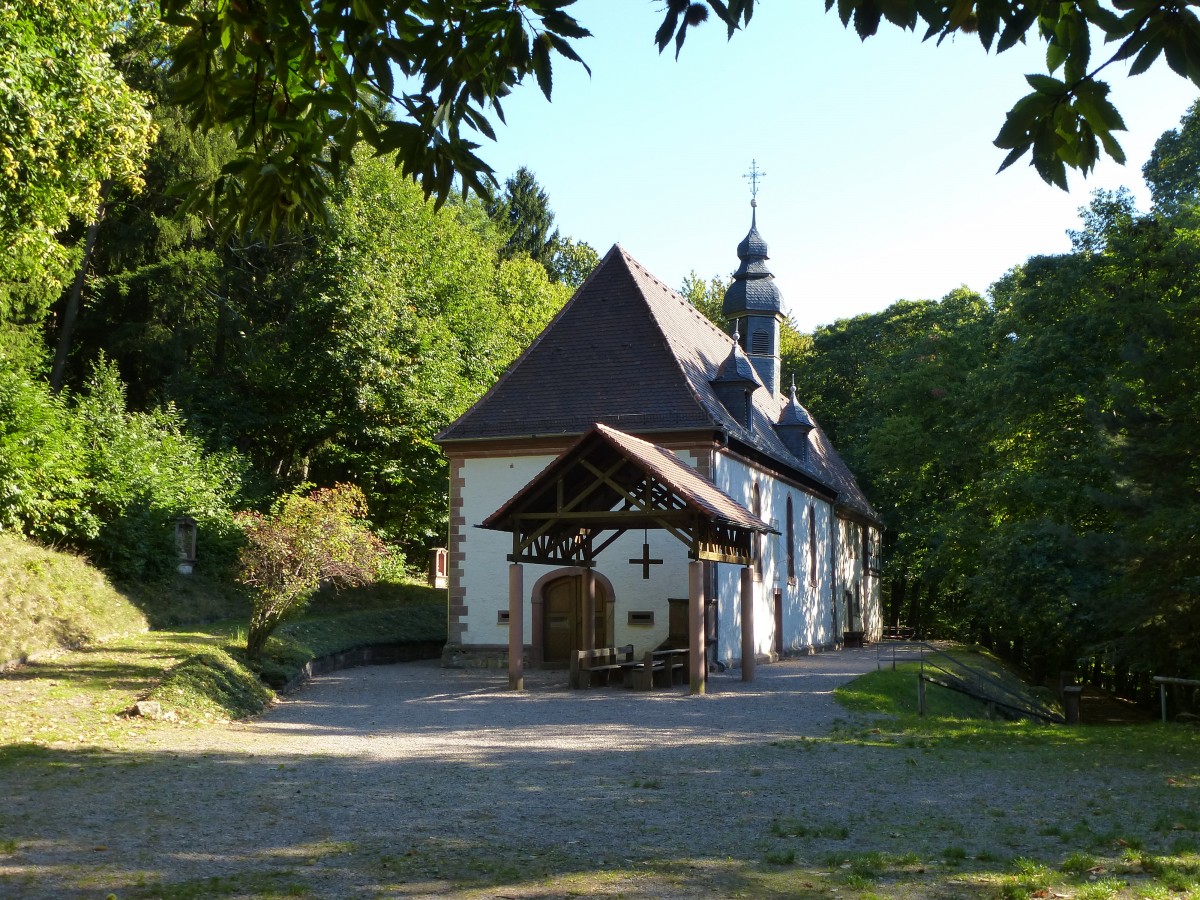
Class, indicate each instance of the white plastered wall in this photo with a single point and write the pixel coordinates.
(807, 609)
(855, 578)
(489, 482)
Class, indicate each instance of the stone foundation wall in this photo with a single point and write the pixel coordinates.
(478, 656)
(374, 655)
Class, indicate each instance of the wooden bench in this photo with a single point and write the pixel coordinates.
(589, 667)
(659, 668)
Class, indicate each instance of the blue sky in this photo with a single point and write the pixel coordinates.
(881, 175)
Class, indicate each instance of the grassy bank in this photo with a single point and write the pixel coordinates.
(51, 600)
(98, 647)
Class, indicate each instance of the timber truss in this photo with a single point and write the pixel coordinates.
(609, 483)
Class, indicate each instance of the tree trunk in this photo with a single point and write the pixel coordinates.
(71, 311)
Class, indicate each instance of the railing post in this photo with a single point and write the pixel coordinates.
(921, 694)
(1072, 702)
(1162, 696)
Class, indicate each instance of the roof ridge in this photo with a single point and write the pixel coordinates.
(684, 301)
(632, 264)
(533, 345)
(676, 359)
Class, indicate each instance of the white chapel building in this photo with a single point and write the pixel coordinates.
(635, 458)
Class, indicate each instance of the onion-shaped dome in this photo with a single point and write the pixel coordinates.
(753, 289)
(794, 426)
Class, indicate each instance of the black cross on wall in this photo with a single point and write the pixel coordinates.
(646, 562)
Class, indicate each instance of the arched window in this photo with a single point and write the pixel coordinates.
(812, 544)
(756, 504)
(791, 542)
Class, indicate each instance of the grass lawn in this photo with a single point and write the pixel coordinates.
(197, 673)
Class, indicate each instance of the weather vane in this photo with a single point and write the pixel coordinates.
(754, 175)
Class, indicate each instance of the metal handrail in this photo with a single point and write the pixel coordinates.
(941, 661)
(1162, 681)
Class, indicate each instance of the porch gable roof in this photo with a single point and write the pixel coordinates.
(608, 483)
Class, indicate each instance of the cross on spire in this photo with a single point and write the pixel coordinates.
(754, 175)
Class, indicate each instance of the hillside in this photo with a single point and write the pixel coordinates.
(54, 600)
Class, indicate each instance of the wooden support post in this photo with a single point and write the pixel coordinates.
(589, 609)
(696, 649)
(921, 694)
(748, 645)
(1162, 699)
(1072, 703)
(516, 627)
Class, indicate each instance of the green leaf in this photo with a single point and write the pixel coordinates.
(866, 19)
(541, 62)
(1044, 84)
(1013, 156)
(567, 50)
(1149, 53)
(667, 28)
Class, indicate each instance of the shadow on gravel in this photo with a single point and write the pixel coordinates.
(784, 818)
(387, 783)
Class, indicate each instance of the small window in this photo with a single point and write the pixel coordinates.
(502, 617)
(641, 617)
(760, 343)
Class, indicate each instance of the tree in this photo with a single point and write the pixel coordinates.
(707, 296)
(69, 127)
(572, 262)
(304, 541)
(149, 287)
(1173, 170)
(1066, 120)
(346, 351)
(894, 392)
(523, 211)
(296, 81)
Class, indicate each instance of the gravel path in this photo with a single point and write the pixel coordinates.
(416, 781)
(405, 774)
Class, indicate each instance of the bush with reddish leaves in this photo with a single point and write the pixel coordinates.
(306, 540)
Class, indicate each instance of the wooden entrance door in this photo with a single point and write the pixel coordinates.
(562, 628)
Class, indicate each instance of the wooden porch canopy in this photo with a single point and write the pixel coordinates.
(608, 483)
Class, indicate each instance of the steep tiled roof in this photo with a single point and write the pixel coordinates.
(629, 352)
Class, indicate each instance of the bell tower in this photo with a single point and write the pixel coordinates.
(753, 303)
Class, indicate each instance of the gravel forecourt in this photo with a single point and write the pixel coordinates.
(413, 780)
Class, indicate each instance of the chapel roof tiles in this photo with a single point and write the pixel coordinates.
(628, 351)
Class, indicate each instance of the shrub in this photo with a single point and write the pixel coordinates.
(105, 481)
(304, 541)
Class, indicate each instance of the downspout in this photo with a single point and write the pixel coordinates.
(712, 579)
(833, 575)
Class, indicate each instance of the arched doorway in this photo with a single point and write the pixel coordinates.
(562, 617)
